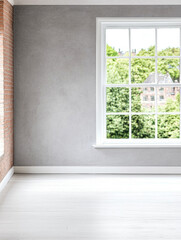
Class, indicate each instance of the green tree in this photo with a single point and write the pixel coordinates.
(169, 125)
(110, 51)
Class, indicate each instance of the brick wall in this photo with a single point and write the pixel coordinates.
(6, 81)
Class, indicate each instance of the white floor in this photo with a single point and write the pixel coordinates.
(93, 207)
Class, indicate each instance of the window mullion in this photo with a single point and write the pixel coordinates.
(104, 87)
(180, 81)
(142, 57)
(142, 113)
(156, 89)
(145, 85)
(129, 83)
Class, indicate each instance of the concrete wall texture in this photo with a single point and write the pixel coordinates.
(55, 87)
(6, 76)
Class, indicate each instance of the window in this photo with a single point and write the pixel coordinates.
(145, 98)
(173, 91)
(134, 56)
(161, 98)
(152, 98)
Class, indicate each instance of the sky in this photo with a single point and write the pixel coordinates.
(142, 38)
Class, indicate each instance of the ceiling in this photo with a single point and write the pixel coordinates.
(95, 2)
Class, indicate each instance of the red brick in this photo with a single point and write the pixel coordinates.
(6, 63)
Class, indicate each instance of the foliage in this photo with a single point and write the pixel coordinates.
(169, 52)
(117, 126)
(110, 51)
(169, 125)
(143, 126)
(117, 99)
(117, 70)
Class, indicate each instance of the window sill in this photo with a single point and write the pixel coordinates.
(114, 146)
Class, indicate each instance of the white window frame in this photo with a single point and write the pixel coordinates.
(102, 24)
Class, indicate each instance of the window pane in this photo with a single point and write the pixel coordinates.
(117, 99)
(143, 126)
(168, 41)
(117, 126)
(117, 71)
(168, 126)
(168, 70)
(143, 99)
(168, 99)
(142, 42)
(117, 42)
(142, 70)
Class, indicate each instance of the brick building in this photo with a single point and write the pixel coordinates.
(163, 93)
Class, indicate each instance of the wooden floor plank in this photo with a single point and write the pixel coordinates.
(92, 207)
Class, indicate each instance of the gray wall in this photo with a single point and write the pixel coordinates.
(55, 87)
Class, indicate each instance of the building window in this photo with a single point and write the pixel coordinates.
(161, 98)
(132, 57)
(145, 98)
(152, 98)
(173, 91)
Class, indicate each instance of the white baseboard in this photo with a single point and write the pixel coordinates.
(97, 170)
(6, 179)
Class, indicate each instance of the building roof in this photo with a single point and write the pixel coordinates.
(161, 78)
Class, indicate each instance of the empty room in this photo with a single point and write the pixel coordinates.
(90, 119)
